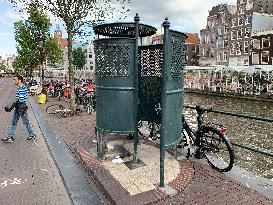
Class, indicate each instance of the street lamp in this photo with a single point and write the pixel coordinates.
(40, 44)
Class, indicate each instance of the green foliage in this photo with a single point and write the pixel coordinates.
(53, 52)
(30, 55)
(2, 67)
(79, 59)
(74, 14)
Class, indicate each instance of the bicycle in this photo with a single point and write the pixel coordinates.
(58, 110)
(209, 139)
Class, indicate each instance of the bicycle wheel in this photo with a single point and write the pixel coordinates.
(216, 149)
(54, 109)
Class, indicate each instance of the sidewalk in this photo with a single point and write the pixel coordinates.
(188, 183)
(28, 174)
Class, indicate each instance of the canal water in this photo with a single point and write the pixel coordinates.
(256, 134)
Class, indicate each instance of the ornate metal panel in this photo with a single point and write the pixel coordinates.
(150, 82)
(178, 54)
(172, 96)
(112, 59)
(115, 85)
(124, 30)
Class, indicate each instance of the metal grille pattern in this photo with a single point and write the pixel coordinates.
(151, 61)
(150, 82)
(124, 30)
(178, 53)
(112, 59)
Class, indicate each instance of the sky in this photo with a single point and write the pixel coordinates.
(184, 15)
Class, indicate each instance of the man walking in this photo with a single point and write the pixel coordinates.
(20, 111)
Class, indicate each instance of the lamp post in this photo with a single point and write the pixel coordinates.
(40, 44)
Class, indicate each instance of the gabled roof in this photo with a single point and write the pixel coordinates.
(192, 38)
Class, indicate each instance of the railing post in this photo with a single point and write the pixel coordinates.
(136, 19)
(166, 56)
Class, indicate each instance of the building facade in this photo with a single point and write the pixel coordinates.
(214, 46)
(59, 37)
(88, 71)
(240, 35)
(227, 36)
(262, 48)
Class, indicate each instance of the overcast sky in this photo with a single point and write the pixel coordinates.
(184, 15)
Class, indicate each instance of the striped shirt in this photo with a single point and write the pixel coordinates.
(21, 94)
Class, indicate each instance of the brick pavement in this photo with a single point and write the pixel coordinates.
(206, 187)
(28, 174)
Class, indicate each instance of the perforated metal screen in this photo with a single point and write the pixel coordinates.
(150, 82)
(112, 59)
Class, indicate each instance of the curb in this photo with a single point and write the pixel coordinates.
(74, 177)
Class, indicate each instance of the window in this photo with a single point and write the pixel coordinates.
(219, 57)
(239, 34)
(212, 24)
(241, 9)
(232, 49)
(225, 43)
(233, 35)
(246, 47)
(247, 32)
(247, 19)
(255, 58)
(233, 22)
(226, 29)
(266, 42)
(265, 57)
(219, 43)
(225, 57)
(90, 55)
(194, 48)
(219, 31)
(91, 67)
(209, 24)
(240, 20)
(256, 43)
(239, 48)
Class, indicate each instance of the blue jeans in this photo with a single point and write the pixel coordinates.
(16, 115)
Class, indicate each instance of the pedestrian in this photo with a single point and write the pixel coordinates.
(20, 106)
(42, 97)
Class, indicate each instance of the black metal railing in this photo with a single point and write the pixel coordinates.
(247, 147)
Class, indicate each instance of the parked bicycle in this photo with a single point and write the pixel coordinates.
(58, 110)
(208, 141)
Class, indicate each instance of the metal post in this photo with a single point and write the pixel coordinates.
(136, 19)
(166, 56)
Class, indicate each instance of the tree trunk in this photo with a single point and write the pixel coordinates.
(71, 68)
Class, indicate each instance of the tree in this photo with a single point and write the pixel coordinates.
(74, 14)
(30, 55)
(2, 67)
(79, 59)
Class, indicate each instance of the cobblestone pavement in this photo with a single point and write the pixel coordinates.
(207, 186)
(28, 174)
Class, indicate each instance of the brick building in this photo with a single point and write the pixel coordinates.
(227, 36)
(58, 36)
(192, 46)
(214, 47)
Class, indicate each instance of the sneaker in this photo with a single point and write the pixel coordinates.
(31, 137)
(7, 139)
